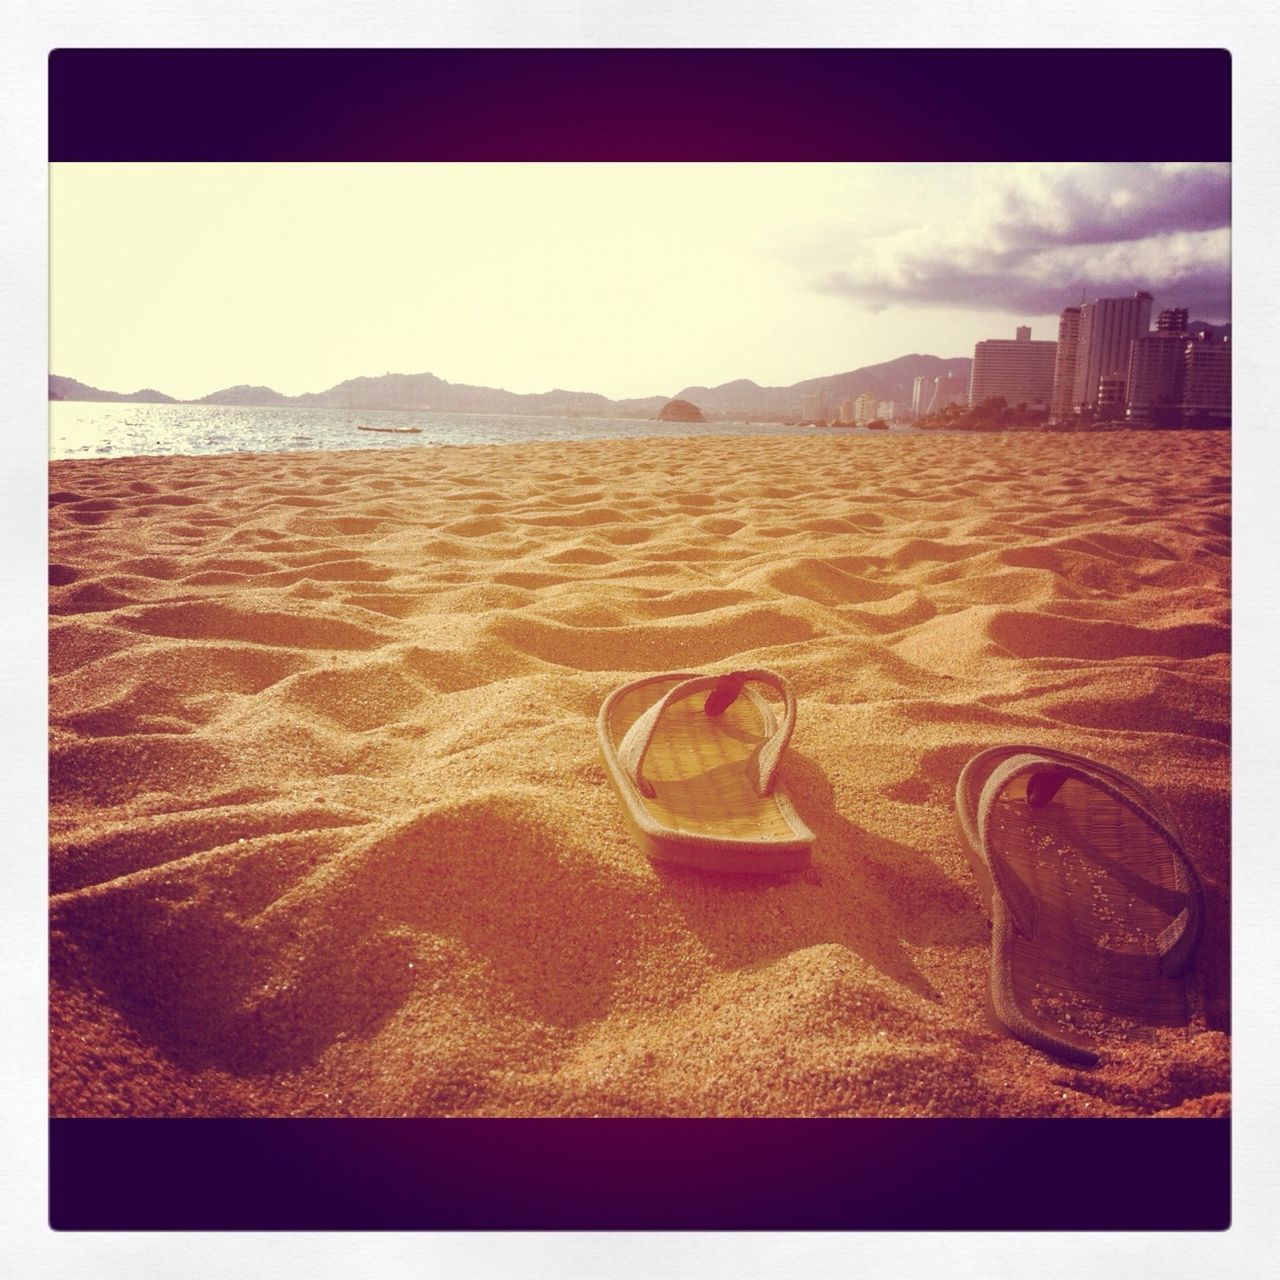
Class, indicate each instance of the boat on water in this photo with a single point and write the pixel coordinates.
(397, 431)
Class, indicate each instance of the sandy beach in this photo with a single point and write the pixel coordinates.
(331, 835)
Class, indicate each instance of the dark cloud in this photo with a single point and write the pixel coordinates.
(1040, 206)
(1038, 237)
(1206, 291)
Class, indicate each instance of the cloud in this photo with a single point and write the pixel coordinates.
(1036, 237)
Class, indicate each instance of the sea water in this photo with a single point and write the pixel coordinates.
(88, 429)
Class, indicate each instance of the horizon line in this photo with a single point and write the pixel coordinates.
(506, 391)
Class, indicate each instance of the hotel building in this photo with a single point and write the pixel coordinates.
(864, 408)
(1064, 368)
(1206, 381)
(1178, 376)
(1157, 362)
(1019, 372)
(918, 393)
(1108, 327)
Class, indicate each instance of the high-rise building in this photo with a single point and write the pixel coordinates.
(846, 410)
(1206, 381)
(1110, 402)
(864, 408)
(1176, 376)
(1153, 384)
(1020, 372)
(917, 396)
(1107, 328)
(1173, 320)
(1064, 367)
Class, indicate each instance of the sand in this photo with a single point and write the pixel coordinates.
(331, 836)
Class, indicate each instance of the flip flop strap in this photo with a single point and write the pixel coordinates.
(968, 814)
(1178, 939)
(761, 766)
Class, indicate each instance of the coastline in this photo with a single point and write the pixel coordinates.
(330, 835)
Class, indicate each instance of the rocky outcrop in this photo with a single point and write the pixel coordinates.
(680, 411)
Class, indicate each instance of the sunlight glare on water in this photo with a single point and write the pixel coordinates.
(89, 429)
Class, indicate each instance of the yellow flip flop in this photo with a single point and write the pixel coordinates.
(698, 775)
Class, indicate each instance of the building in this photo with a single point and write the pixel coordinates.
(1206, 382)
(1176, 376)
(1064, 366)
(889, 410)
(814, 407)
(846, 410)
(1157, 362)
(1110, 402)
(864, 408)
(1019, 372)
(918, 388)
(1108, 327)
(1154, 378)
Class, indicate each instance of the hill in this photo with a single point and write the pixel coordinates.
(70, 389)
(245, 395)
(890, 380)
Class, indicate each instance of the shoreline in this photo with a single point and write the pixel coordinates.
(784, 432)
(330, 835)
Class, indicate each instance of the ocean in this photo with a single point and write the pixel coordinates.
(88, 429)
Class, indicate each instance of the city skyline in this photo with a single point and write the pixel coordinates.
(1181, 364)
(626, 280)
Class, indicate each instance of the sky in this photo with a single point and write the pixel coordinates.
(626, 279)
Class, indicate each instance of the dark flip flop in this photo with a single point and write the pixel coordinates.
(1095, 908)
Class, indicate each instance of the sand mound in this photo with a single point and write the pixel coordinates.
(330, 834)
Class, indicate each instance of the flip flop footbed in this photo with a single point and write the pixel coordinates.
(1105, 891)
(705, 809)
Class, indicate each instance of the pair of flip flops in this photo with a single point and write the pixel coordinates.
(1096, 910)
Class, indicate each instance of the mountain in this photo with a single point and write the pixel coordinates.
(424, 391)
(245, 395)
(391, 391)
(1215, 330)
(70, 389)
(891, 380)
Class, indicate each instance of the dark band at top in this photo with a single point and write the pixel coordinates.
(639, 104)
